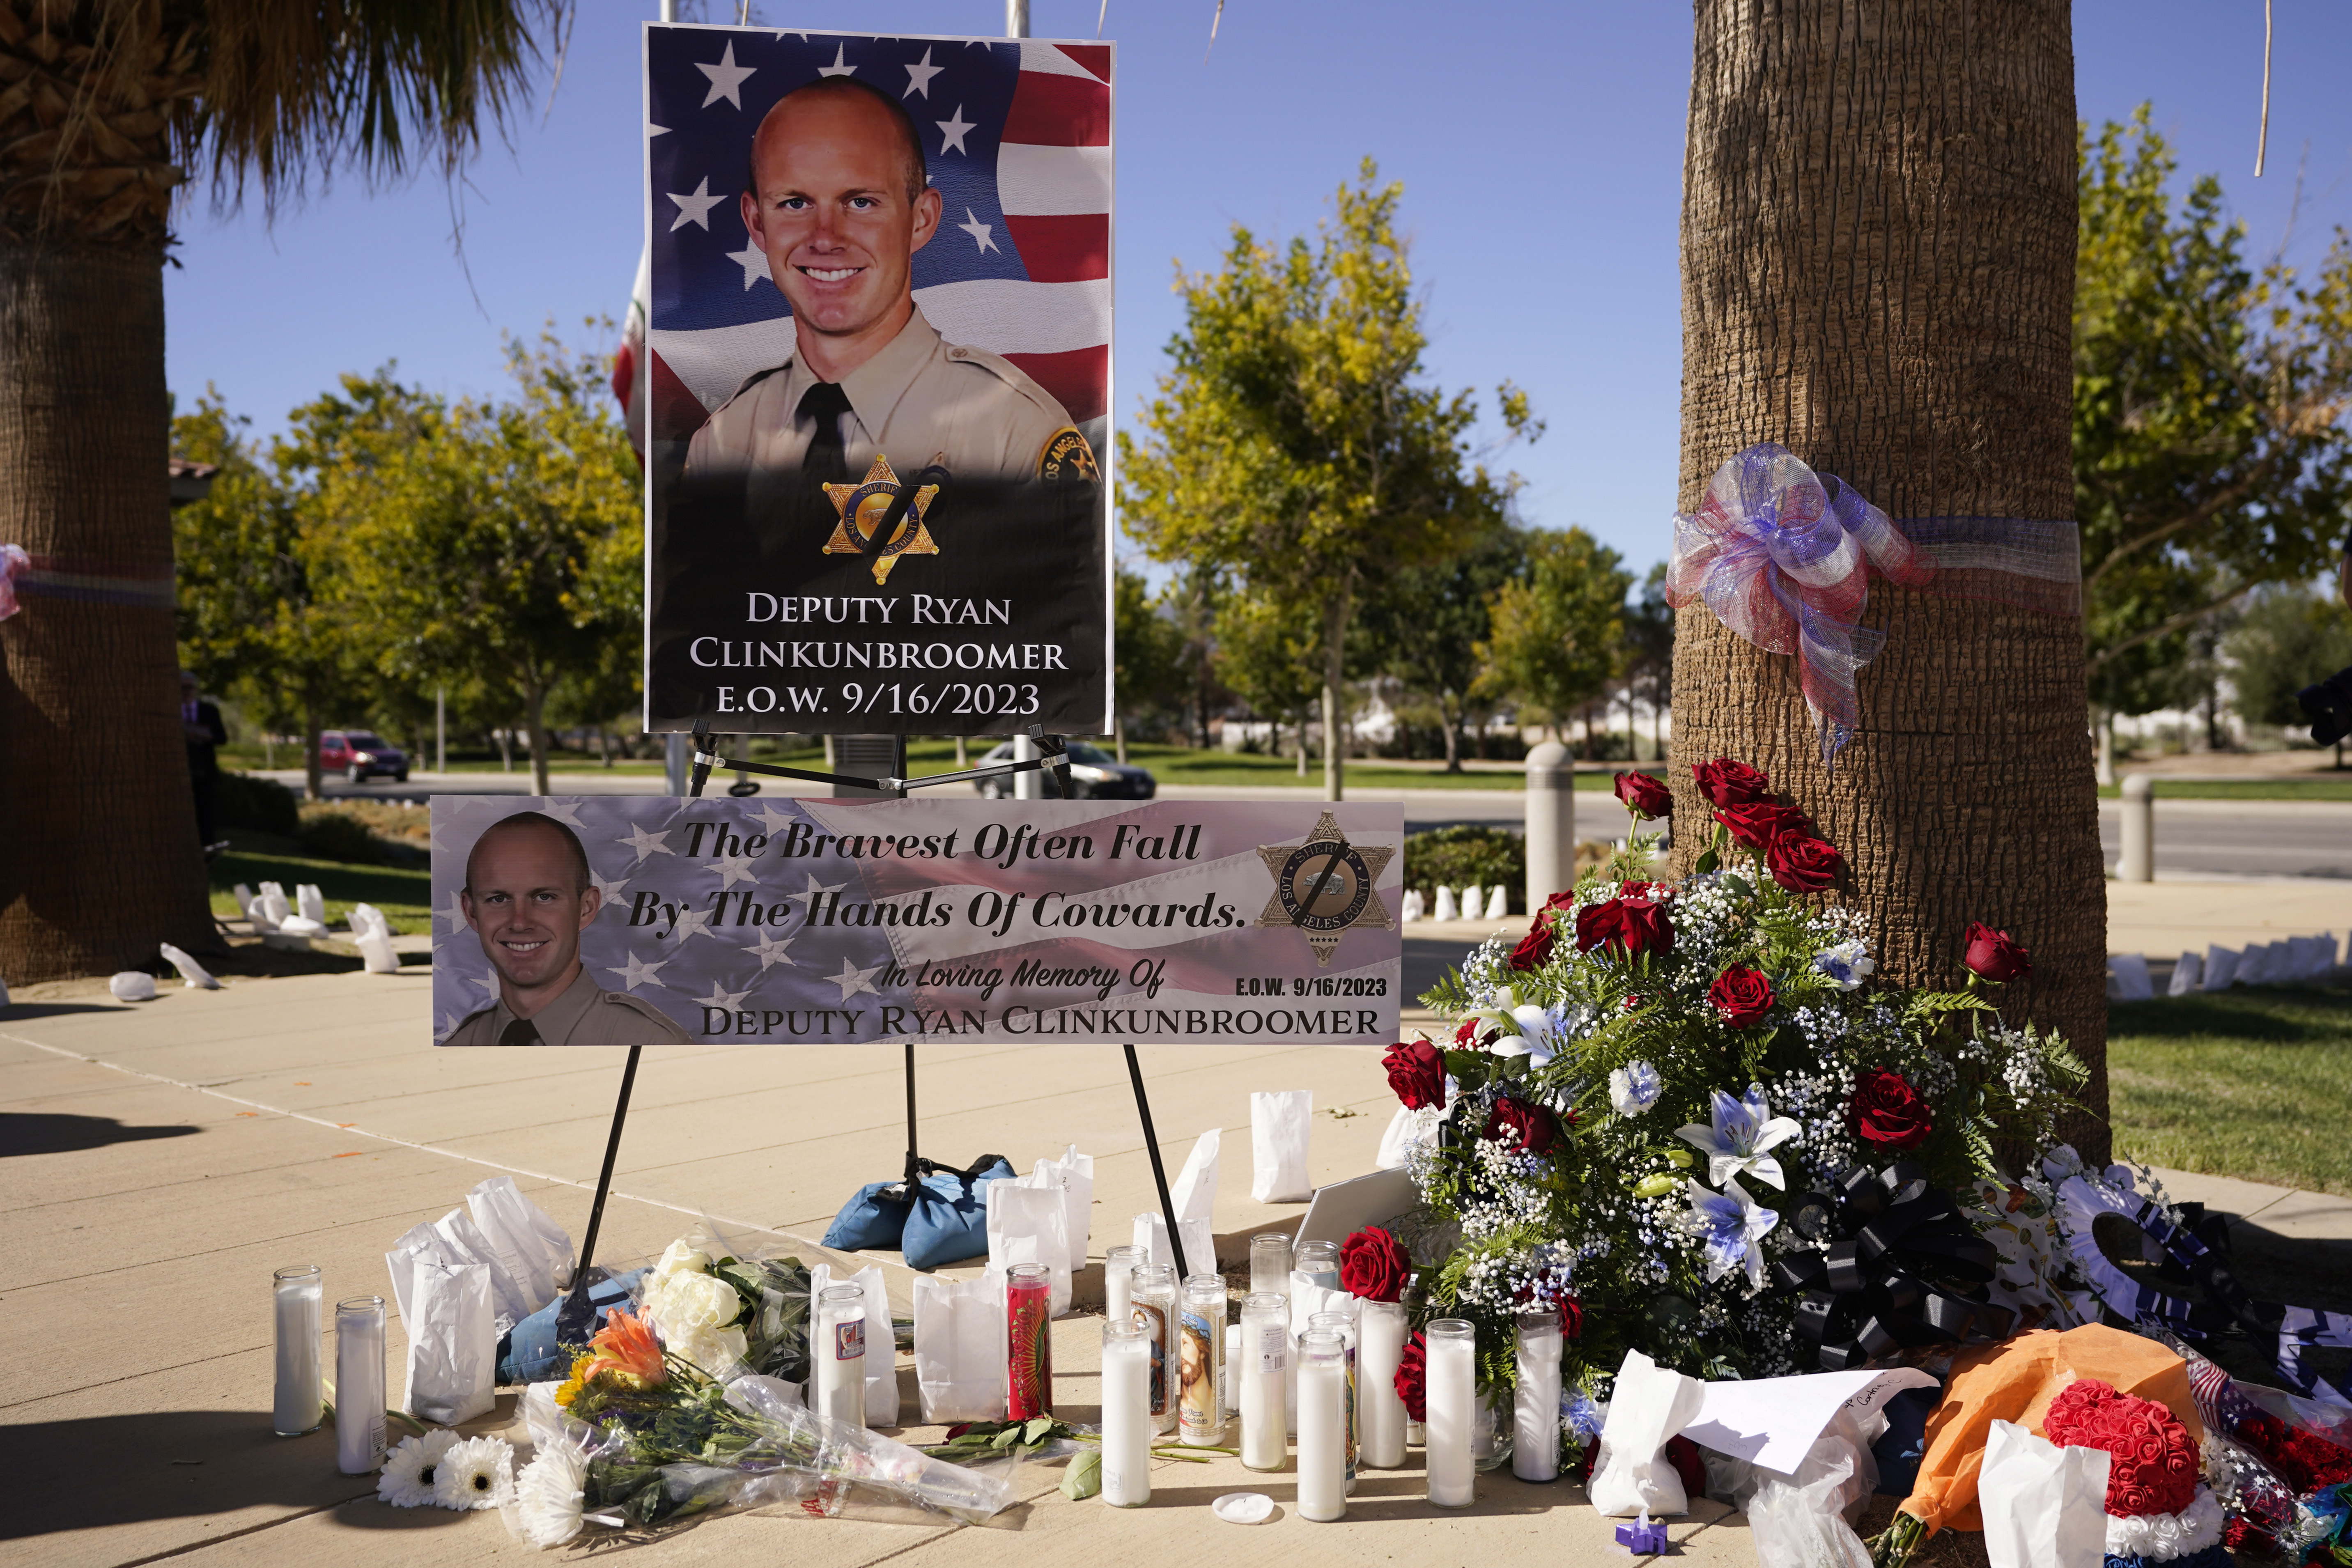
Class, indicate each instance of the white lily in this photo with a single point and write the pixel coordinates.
(1732, 1225)
(1741, 1141)
(1534, 1033)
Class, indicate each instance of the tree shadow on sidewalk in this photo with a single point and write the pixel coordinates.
(49, 1132)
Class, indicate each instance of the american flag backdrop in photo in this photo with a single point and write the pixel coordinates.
(1017, 137)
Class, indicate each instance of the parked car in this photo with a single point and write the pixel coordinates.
(1094, 774)
(360, 755)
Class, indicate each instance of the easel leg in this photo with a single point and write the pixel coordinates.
(1159, 1170)
(572, 1322)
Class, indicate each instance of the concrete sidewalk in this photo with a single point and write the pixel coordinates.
(164, 1158)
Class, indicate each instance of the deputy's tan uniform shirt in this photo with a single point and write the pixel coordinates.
(919, 401)
(585, 1014)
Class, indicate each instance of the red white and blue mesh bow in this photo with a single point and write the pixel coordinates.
(1783, 556)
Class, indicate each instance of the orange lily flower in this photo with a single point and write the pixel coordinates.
(626, 1348)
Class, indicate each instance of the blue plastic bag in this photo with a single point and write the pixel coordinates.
(528, 1352)
(946, 1222)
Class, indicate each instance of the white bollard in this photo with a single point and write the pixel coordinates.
(2138, 863)
(1551, 823)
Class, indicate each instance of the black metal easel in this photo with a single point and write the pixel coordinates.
(578, 1313)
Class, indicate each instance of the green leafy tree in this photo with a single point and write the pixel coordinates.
(1150, 668)
(1269, 655)
(2289, 639)
(1426, 627)
(1292, 445)
(1649, 656)
(1557, 635)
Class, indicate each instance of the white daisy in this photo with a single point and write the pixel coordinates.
(409, 1469)
(544, 1507)
(477, 1472)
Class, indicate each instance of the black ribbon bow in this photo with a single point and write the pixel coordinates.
(1902, 1269)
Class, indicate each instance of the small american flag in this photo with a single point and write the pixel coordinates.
(1017, 135)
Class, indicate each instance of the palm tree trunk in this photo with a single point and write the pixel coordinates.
(1878, 249)
(102, 862)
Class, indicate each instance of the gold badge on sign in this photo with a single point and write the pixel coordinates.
(1324, 886)
(863, 507)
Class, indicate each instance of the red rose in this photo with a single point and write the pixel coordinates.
(1726, 783)
(1887, 1111)
(1634, 922)
(1742, 995)
(1535, 948)
(1412, 1377)
(1802, 863)
(1684, 1456)
(1993, 955)
(1417, 1073)
(1373, 1266)
(1522, 1126)
(1572, 1319)
(1556, 901)
(1644, 795)
(1466, 1036)
(1756, 825)
(2152, 1461)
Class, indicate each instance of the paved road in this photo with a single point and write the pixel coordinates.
(2197, 837)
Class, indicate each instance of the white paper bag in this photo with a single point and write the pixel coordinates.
(960, 1347)
(244, 896)
(2220, 968)
(1447, 909)
(536, 1252)
(1278, 1123)
(2127, 977)
(2044, 1507)
(309, 903)
(462, 1241)
(1648, 1405)
(275, 911)
(133, 985)
(2186, 973)
(371, 934)
(1073, 1175)
(1151, 1234)
(193, 974)
(1029, 1223)
(453, 1342)
(1498, 902)
(1474, 898)
(1195, 1193)
(1410, 906)
(881, 1354)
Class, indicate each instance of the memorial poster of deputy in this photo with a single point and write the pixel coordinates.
(878, 362)
(635, 920)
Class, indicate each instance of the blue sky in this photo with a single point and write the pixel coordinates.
(1540, 146)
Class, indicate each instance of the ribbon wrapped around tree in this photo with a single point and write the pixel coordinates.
(1783, 556)
(1902, 1268)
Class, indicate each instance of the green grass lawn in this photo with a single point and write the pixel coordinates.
(404, 895)
(2250, 1083)
(2245, 789)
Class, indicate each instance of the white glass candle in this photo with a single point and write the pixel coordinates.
(359, 1384)
(1265, 1355)
(1451, 1402)
(1535, 1435)
(1343, 1325)
(1269, 1263)
(839, 1353)
(300, 1400)
(1118, 1282)
(1322, 1426)
(1200, 1361)
(1319, 1262)
(1380, 1414)
(1126, 1414)
(1155, 1314)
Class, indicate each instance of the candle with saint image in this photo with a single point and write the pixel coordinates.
(1341, 1324)
(1126, 1413)
(1382, 1328)
(359, 1384)
(1322, 1426)
(1265, 1358)
(300, 1402)
(1029, 1351)
(1154, 1306)
(1201, 1352)
(839, 1353)
(1535, 1428)
(1451, 1403)
(1118, 1281)
(1270, 1263)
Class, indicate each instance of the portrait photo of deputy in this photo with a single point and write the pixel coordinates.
(528, 896)
(839, 201)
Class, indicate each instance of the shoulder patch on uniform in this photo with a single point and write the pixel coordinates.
(1067, 457)
(1011, 374)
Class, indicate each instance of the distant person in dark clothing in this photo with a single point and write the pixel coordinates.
(200, 723)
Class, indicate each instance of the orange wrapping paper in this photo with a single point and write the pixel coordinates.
(2015, 1381)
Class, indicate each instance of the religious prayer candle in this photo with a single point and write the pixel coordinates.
(1270, 1263)
(1155, 1314)
(359, 1384)
(1319, 1262)
(1265, 1356)
(1341, 1324)
(1118, 1281)
(1028, 1320)
(1322, 1426)
(1126, 1413)
(1379, 1412)
(1535, 1433)
(1200, 1361)
(1451, 1401)
(300, 1402)
(839, 1353)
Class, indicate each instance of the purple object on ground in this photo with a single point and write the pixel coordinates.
(1641, 1537)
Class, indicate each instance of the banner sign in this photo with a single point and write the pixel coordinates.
(877, 363)
(604, 920)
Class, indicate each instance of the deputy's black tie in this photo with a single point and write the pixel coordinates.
(521, 1032)
(828, 460)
